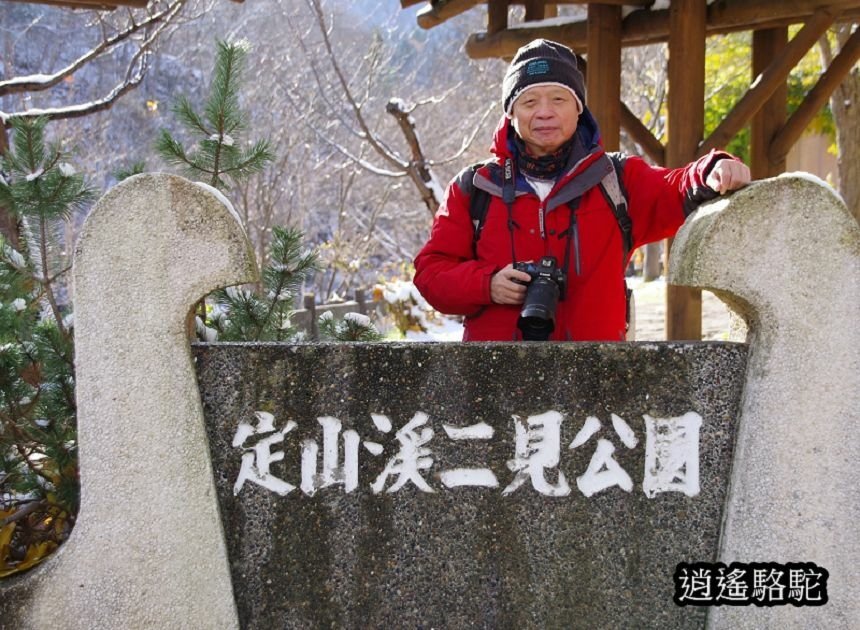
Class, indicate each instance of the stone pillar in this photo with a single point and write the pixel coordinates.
(148, 549)
(785, 254)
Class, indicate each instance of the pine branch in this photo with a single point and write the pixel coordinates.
(189, 117)
(172, 151)
(252, 161)
(49, 289)
(217, 154)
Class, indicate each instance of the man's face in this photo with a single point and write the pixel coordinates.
(545, 117)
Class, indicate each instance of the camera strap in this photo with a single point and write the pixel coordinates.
(509, 194)
(572, 234)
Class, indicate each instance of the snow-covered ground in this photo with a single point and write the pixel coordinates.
(446, 329)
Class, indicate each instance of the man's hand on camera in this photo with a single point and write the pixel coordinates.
(728, 175)
(504, 289)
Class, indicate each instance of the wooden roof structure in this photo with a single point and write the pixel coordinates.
(684, 26)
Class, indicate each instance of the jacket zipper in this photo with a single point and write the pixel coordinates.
(542, 219)
(575, 237)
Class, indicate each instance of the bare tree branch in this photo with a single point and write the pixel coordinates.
(468, 140)
(36, 83)
(380, 147)
(418, 169)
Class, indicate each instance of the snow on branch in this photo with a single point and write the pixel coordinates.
(419, 171)
(40, 82)
(134, 74)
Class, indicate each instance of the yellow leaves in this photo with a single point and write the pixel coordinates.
(5, 544)
(5, 539)
(35, 554)
(26, 541)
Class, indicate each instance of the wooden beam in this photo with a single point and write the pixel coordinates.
(769, 81)
(435, 14)
(686, 105)
(405, 4)
(642, 136)
(651, 27)
(816, 98)
(767, 45)
(603, 87)
(505, 43)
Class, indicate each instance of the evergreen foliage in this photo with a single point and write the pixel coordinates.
(242, 315)
(218, 155)
(135, 169)
(353, 327)
(39, 492)
(39, 489)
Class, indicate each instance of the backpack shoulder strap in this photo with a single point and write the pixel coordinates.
(479, 200)
(613, 189)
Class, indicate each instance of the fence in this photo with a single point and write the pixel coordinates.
(307, 318)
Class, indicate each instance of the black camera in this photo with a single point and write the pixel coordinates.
(537, 317)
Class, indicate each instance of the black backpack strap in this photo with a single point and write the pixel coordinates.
(612, 186)
(479, 200)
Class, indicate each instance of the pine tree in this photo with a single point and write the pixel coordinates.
(218, 130)
(39, 492)
(353, 327)
(242, 315)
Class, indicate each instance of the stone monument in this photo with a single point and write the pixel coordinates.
(489, 485)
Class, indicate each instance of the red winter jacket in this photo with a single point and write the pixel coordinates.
(456, 280)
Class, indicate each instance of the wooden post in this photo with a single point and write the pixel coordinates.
(534, 10)
(686, 127)
(603, 83)
(311, 307)
(497, 16)
(361, 300)
(767, 46)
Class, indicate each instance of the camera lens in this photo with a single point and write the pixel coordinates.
(537, 317)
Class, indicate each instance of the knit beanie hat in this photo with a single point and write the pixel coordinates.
(542, 62)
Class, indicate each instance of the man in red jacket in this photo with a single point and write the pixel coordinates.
(547, 206)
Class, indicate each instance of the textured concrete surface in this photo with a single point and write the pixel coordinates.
(464, 556)
(148, 548)
(785, 253)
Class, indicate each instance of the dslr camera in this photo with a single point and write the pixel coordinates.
(537, 317)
